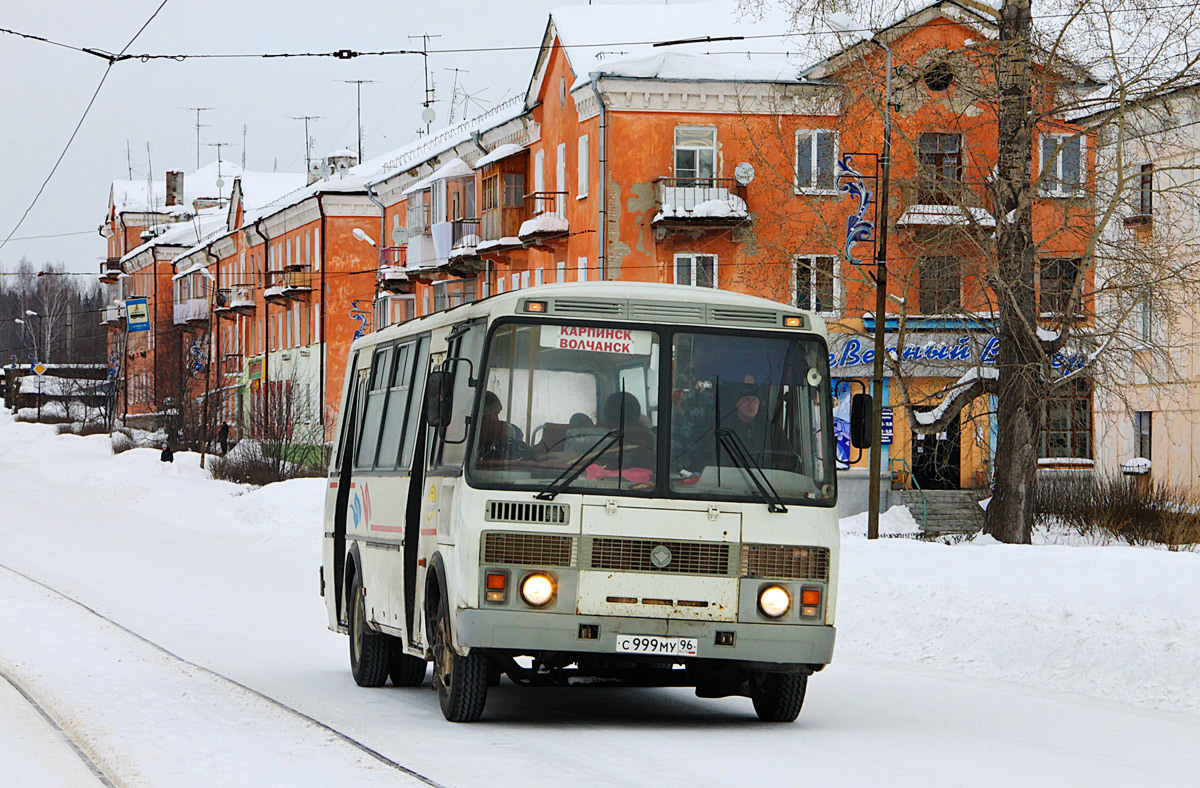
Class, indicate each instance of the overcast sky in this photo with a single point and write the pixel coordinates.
(45, 89)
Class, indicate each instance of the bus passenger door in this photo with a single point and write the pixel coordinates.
(343, 473)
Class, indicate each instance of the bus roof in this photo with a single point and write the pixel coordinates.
(641, 302)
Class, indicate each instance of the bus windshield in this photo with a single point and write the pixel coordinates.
(579, 408)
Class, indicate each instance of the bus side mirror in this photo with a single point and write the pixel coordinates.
(437, 399)
(860, 421)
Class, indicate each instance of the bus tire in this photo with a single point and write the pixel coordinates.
(461, 682)
(778, 697)
(406, 670)
(370, 652)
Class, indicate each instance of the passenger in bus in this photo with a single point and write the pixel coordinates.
(636, 431)
(498, 439)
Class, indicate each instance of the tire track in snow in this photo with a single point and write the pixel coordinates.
(383, 759)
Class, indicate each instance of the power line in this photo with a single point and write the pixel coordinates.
(52, 235)
(87, 109)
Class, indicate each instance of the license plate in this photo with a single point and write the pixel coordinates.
(652, 644)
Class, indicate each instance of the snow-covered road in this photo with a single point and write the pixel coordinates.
(980, 666)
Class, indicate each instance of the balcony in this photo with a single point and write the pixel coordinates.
(192, 312)
(1140, 221)
(465, 238)
(547, 219)
(113, 314)
(699, 203)
(291, 284)
(237, 300)
(392, 276)
(110, 270)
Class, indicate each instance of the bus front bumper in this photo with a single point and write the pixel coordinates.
(530, 632)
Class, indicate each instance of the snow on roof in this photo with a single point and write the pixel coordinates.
(500, 152)
(186, 233)
(258, 188)
(455, 168)
(342, 153)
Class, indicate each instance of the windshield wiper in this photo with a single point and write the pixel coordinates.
(581, 463)
(742, 457)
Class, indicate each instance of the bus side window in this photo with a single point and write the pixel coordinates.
(353, 395)
(396, 409)
(368, 440)
(468, 345)
(413, 423)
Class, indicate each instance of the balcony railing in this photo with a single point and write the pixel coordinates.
(110, 270)
(545, 217)
(292, 283)
(235, 300)
(700, 200)
(393, 276)
(465, 234)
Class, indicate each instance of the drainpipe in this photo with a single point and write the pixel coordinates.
(476, 136)
(266, 378)
(382, 230)
(324, 342)
(213, 320)
(603, 180)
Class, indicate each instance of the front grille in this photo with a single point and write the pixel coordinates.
(633, 555)
(783, 561)
(528, 549)
(728, 315)
(540, 513)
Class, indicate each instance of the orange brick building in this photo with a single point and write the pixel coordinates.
(685, 163)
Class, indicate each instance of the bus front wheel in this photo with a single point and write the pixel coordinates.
(370, 652)
(461, 682)
(778, 697)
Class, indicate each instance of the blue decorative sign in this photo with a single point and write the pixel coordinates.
(858, 228)
(137, 315)
(359, 315)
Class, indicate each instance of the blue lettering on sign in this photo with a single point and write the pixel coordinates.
(962, 349)
(988, 356)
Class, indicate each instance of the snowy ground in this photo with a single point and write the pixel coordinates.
(979, 665)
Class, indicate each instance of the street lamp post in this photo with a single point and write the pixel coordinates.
(843, 24)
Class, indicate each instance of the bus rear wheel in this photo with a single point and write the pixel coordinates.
(370, 652)
(461, 682)
(778, 697)
(406, 670)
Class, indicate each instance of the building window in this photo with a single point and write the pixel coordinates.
(815, 283)
(1062, 164)
(560, 179)
(696, 269)
(939, 285)
(560, 272)
(1057, 277)
(514, 190)
(581, 185)
(816, 152)
(452, 293)
(1144, 317)
(940, 175)
(695, 155)
(1146, 190)
(1068, 423)
(539, 178)
(581, 270)
(1142, 434)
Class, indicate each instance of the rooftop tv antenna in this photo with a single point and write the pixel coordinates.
(427, 113)
(199, 126)
(454, 91)
(358, 83)
(307, 139)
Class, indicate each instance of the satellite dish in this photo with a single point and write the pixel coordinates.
(744, 173)
(399, 235)
(428, 115)
(220, 183)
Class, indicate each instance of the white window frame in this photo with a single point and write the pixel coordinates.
(581, 269)
(581, 185)
(539, 179)
(560, 272)
(692, 267)
(560, 178)
(811, 186)
(1057, 188)
(800, 267)
(715, 148)
(539, 276)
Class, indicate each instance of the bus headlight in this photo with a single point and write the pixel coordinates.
(774, 601)
(537, 589)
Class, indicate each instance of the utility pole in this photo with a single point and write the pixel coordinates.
(128, 160)
(199, 126)
(220, 180)
(307, 145)
(358, 83)
(244, 127)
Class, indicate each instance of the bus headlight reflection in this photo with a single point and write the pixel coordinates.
(537, 589)
(774, 601)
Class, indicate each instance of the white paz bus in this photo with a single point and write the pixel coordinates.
(594, 482)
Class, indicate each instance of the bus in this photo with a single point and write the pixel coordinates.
(591, 483)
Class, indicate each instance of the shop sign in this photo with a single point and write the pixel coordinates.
(938, 350)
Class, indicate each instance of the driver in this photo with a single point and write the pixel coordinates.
(498, 440)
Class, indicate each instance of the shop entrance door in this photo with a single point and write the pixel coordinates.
(937, 458)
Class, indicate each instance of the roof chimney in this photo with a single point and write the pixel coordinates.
(174, 188)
